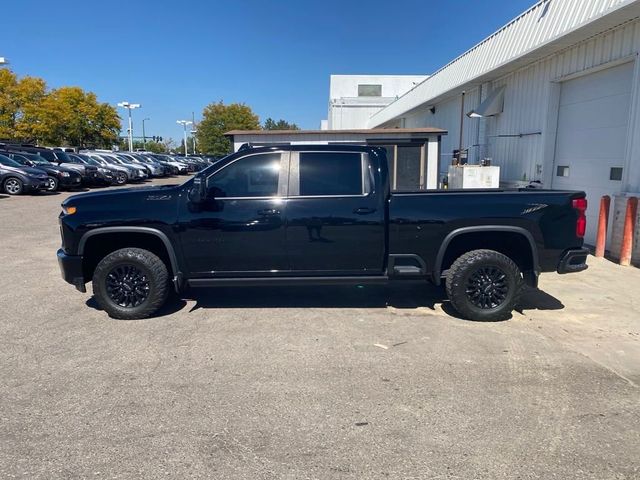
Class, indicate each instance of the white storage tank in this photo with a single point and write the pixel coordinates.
(473, 176)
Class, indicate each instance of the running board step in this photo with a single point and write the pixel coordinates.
(406, 270)
(287, 281)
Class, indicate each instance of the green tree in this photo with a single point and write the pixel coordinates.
(155, 147)
(8, 104)
(271, 124)
(218, 118)
(71, 116)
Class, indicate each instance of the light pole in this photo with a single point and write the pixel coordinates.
(193, 140)
(144, 136)
(130, 106)
(184, 124)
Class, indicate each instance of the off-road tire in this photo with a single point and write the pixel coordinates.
(461, 274)
(155, 273)
(13, 186)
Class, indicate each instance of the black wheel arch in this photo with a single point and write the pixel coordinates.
(459, 233)
(170, 255)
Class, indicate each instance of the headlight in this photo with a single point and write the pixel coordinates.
(69, 210)
(64, 174)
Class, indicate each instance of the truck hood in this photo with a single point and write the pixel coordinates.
(133, 194)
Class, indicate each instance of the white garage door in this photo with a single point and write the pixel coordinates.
(593, 120)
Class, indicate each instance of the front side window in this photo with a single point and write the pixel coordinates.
(330, 173)
(252, 176)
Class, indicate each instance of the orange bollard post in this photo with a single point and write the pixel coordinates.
(603, 223)
(629, 228)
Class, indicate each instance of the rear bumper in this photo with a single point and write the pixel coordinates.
(574, 260)
(71, 269)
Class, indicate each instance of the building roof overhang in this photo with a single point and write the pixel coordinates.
(546, 28)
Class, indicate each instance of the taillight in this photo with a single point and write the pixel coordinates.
(580, 204)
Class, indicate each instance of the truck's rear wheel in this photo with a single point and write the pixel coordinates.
(131, 283)
(484, 285)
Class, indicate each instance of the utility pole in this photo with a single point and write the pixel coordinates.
(130, 106)
(144, 136)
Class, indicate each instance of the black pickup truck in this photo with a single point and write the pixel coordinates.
(320, 215)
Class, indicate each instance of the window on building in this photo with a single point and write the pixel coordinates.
(615, 174)
(252, 176)
(330, 173)
(562, 171)
(369, 90)
(408, 168)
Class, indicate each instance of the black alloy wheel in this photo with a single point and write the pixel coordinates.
(127, 286)
(487, 287)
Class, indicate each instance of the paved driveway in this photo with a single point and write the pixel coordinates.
(317, 383)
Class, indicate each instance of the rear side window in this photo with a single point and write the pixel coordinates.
(330, 173)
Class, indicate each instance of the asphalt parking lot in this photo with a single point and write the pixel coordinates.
(312, 383)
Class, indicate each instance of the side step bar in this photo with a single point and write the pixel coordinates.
(287, 281)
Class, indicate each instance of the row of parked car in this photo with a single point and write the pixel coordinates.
(27, 168)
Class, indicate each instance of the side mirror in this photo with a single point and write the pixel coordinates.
(30, 163)
(198, 190)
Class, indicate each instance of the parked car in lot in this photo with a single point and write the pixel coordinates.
(180, 167)
(119, 173)
(132, 174)
(58, 176)
(154, 169)
(139, 173)
(89, 173)
(103, 176)
(316, 214)
(18, 179)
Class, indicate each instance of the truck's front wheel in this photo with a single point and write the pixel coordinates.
(484, 285)
(130, 283)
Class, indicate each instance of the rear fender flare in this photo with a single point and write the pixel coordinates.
(437, 270)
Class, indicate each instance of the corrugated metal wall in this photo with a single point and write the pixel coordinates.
(544, 22)
(447, 116)
(527, 100)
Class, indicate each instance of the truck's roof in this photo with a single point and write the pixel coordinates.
(246, 148)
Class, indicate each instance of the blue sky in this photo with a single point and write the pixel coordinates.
(276, 56)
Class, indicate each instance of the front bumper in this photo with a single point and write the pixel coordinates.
(574, 260)
(71, 181)
(71, 269)
(35, 185)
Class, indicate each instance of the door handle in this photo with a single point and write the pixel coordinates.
(364, 210)
(269, 211)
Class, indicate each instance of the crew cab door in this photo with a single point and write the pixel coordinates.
(335, 217)
(239, 228)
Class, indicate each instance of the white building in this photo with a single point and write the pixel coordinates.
(353, 99)
(553, 96)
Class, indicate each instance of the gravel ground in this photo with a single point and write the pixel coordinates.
(312, 383)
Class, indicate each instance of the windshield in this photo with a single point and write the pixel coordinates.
(77, 158)
(62, 156)
(98, 159)
(35, 158)
(7, 162)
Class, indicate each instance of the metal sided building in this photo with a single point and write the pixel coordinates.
(553, 96)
